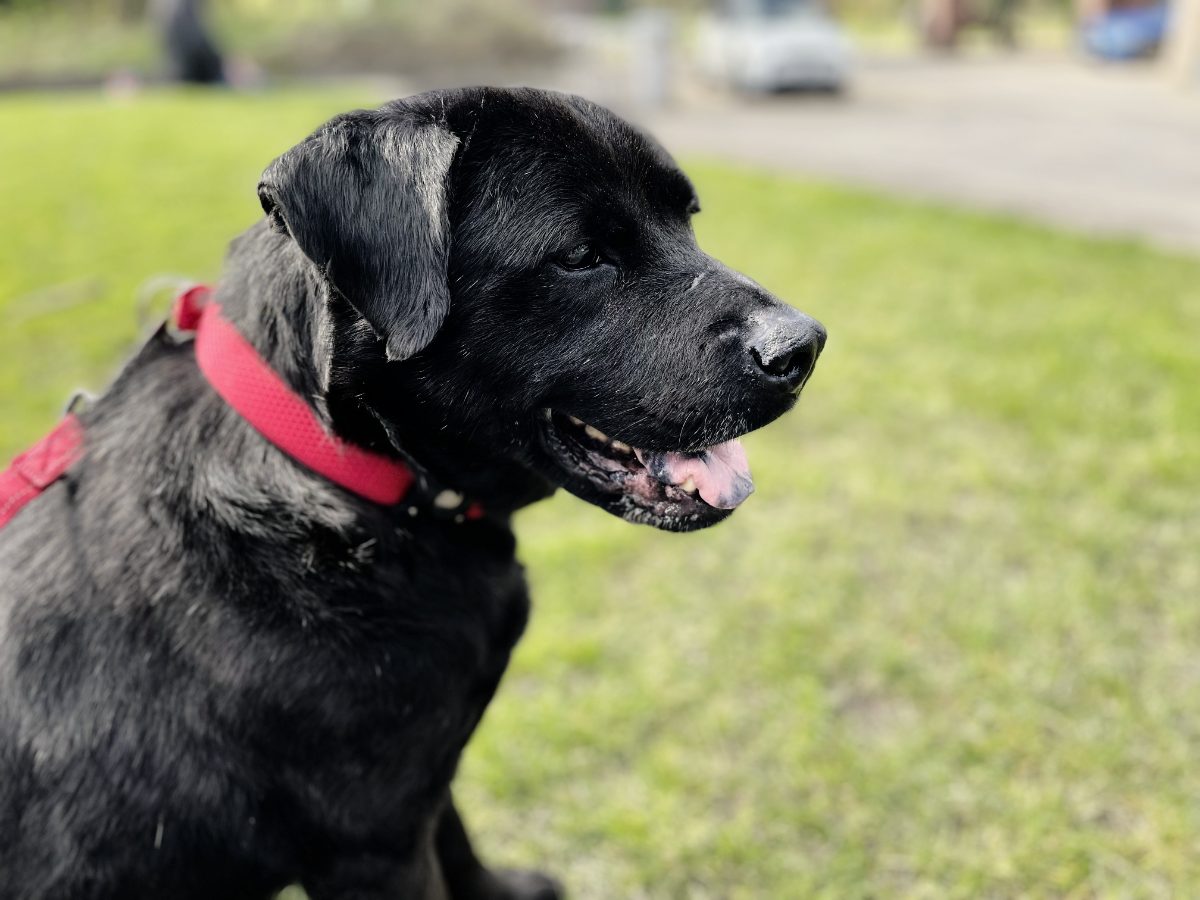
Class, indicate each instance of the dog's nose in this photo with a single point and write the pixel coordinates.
(785, 346)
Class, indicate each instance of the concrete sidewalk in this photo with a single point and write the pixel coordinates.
(1112, 150)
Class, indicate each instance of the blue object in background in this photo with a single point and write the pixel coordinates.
(1126, 33)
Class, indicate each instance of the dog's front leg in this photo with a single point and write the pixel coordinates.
(468, 879)
(373, 877)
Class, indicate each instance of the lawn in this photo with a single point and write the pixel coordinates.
(948, 650)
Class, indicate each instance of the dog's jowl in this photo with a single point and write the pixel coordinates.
(248, 629)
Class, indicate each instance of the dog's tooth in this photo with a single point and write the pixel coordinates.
(689, 485)
(575, 420)
(595, 433)
(546, 413)
(448, 499)
(621, 445)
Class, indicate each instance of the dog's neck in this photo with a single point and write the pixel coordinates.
(276, 298)
(329, 355)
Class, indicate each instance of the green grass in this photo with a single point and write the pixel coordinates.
(100, 195)
(948, 650)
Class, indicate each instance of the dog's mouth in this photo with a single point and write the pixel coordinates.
(675, 490)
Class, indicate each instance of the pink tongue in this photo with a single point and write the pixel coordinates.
(722, 473)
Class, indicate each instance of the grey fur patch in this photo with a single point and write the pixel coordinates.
(365, 199)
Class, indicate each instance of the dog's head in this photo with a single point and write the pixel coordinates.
(535, 295)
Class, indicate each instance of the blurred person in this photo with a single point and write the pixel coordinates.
(191, 54)
(941, 21)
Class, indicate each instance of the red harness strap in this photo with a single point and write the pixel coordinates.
(39, 467)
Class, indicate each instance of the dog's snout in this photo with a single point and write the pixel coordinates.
(785, 348)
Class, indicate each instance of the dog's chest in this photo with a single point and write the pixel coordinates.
(369, 710)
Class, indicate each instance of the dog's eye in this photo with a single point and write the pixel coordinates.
(581, 257)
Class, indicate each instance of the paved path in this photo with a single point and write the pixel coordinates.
(1108, 150)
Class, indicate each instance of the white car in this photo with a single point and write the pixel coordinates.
(773, 45)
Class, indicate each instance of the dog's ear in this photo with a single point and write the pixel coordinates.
(365, 198)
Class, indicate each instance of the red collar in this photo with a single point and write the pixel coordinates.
(246, 382)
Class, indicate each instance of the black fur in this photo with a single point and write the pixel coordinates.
(219, 672)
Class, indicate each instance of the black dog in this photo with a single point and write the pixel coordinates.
(221, 673)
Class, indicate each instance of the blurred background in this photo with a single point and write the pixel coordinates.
(950, 648)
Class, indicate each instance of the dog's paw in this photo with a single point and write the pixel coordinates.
(519, 884)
